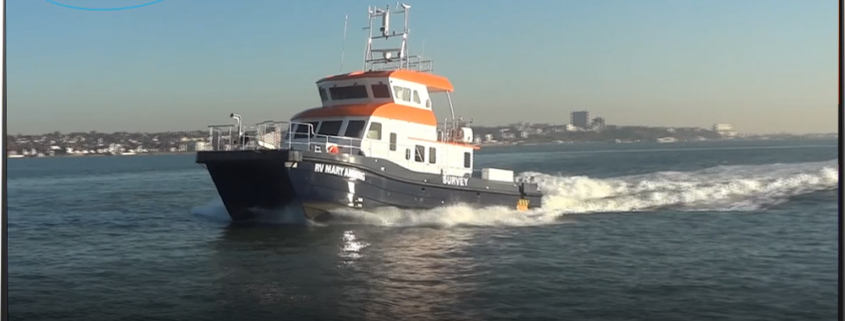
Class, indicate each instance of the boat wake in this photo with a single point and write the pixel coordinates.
(721, 188)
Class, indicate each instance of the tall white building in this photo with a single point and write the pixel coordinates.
(724, 130)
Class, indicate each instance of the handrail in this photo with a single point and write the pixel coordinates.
(283, 135)
(447, 130)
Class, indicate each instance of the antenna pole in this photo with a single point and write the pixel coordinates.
(406, 31)
(369, 44)
(343, 48)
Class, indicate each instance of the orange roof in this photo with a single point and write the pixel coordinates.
(433, 82)
(386, 110)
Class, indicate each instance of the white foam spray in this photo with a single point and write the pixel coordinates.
(721, 188)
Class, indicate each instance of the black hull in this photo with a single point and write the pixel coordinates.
(255, 183)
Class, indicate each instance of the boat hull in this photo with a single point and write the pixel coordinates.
(256, 183)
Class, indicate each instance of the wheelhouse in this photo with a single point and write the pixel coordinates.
(386, 114)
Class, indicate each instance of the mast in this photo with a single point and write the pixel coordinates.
(393, 56)
(343, 48)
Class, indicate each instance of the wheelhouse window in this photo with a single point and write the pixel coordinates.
(348, 92)
(381, 91)
(375, 131)
(419, 153)
(417, 97)
(330, 128)
(402, 93)
(467, 160)
(355, 128)
(408, 153)
(305, 131)
(432, 155)
(323, 95)
(392, 141)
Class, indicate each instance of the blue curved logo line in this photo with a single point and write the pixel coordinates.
(104, 9)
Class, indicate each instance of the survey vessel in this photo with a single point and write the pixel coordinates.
(373, 142)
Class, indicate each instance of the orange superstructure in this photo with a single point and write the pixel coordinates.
(384, 110)
(434, 83)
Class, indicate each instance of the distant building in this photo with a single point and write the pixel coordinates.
(201, 146)
(505, 134)
(725, 130)
(722, 127)
(580, 119)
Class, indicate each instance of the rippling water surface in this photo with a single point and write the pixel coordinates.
(703, 231)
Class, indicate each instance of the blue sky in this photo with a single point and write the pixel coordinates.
(762, 65)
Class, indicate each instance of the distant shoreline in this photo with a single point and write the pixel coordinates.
(102, 155)
(743, 139)
(487, 145)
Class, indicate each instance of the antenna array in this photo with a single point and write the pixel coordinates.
(391, 58)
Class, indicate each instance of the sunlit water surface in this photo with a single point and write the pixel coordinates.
(703, 231)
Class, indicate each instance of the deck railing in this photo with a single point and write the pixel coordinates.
(416, 63)
(447, 131)
(272, 135)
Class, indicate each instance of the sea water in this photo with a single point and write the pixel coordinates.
(684, 231)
